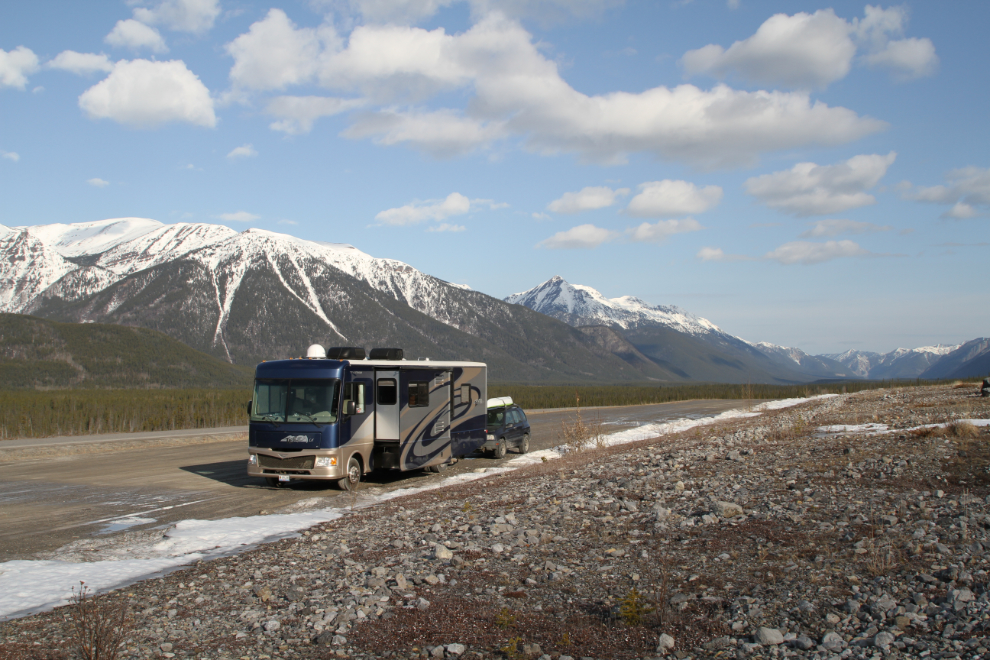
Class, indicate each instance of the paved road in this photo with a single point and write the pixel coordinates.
(47, 502)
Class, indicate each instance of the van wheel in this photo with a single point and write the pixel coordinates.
(523, 444)
(499, 451)
(353, 478)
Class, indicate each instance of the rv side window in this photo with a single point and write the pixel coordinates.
(355, 392)
(465, 394)
(419, 395)
(388, 392)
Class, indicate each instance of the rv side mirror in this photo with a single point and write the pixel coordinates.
(249, 408)
(350, 407)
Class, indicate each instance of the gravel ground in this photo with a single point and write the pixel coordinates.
(789, 534)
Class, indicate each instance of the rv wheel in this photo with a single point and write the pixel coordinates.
(524, 444)
(353, 478)
(499, 451)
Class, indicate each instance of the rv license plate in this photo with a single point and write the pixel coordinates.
(283, 477)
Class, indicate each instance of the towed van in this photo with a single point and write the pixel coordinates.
(338, 414)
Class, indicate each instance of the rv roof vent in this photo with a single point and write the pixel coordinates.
(346, 353)
(315, 351)
(386, 354)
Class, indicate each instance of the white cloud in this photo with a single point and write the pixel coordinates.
(273, 53)
(195, 16)
(239, 216)
(299, 113)
(907, 58)
(517, 91)
(243, 151)
(586, 199)
(145, 94)
(15, 67)
(662, 230)
(410, 214)
(658, 199)
(830, 228)
(135, 35)
(810, 189)
(806, 252)
(10, 155)
(580, 237)
(445, 227)
(413, 11)
(803, 50)
(540, 216)
(80, 63)
(968, 193)
(717, 254)
(813, 50)
(287, 222)
(98, 183)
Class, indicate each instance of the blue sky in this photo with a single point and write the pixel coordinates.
(813, 175)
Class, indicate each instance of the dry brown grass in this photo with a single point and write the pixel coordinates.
(963, 429)
(98, 626)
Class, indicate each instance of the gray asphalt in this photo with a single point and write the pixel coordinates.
(48, 501)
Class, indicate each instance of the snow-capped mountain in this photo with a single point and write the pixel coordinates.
(579, 305)
(899, 363)
(816, 365)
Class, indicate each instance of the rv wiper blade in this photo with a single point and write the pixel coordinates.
(270, 418)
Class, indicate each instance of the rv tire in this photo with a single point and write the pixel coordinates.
(523, 444)
(499, 451)
(353, 478)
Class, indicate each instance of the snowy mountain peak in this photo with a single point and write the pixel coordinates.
(578, 304)
(86, 238)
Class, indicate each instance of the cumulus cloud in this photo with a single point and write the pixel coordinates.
(580, 237)
(803, 50)
(297, 114)
(806, 252)
(518, 92)
(15, 67)
(830, 228)
(717, 254)
(413, 11)
(811, 189)
(274, 53)
(80, 63)
(145, 94)
(662, 230)
(658, 199)
(806, 51)
(243, 151)
(194, 16)
(239, 216)
(135, 35)
(968, 193)
(10, 155)
(98, 183)
(586, 199)
(410, 214)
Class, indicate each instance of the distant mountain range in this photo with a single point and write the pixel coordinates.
(649, 329)
(253, 295)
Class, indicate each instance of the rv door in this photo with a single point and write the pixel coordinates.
(387, 405)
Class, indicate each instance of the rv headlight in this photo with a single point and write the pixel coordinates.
(252, 459)
(326, 461)
(490, 437)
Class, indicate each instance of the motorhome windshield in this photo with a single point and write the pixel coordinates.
(295, 401)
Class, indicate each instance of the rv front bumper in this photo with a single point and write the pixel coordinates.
(297, 465)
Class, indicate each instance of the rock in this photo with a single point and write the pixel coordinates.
(272, 625)
(833, 641)
(263, 593)
(442, 553)
(804, 643)
(338, 640)
(437, 652)
(456, 649)
(666, 643)
(422, 604)
(400, 582)
(883, 640)
(165, 647)
(769, 637)
(324, 638)
(727, 509)
(679, 486)
(530, 650)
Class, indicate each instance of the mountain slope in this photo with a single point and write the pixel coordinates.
(899, 363)
(817, 366)
(39, 353)
(969, 360)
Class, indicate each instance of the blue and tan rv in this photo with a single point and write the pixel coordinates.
(338, 414)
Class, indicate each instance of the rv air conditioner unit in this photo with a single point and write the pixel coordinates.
(386, 354)
(346, 353)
